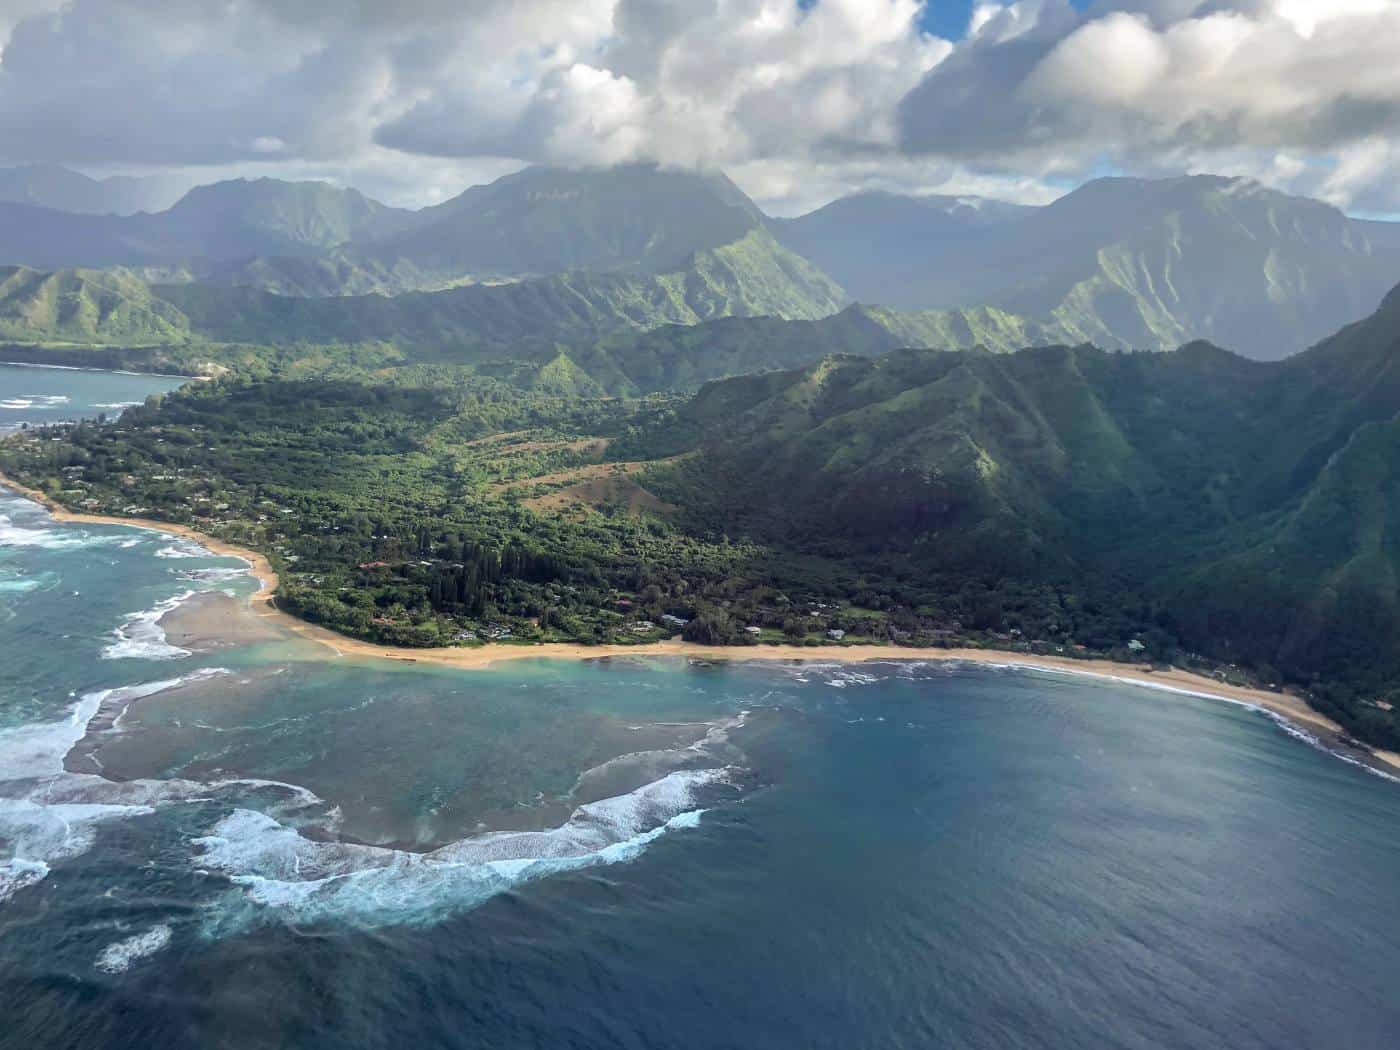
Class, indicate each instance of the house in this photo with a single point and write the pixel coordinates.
(673, 621)
(641, 627)
(1136, 646)
(755, 631)
(836, 634)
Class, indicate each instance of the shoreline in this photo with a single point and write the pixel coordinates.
(258, 566)
(1291, 710)
(110, 371)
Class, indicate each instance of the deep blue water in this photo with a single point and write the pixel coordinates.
(291, 851)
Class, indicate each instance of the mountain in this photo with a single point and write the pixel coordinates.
(753, 276)
(57, 187)
(886, 245)
(242, 218)
(226, 222)
(1124, 263)
(85, 306)
(1120, 263)
(312, 239)
(684, 357)
(1254, 506)
(628, 334)
(550, 220)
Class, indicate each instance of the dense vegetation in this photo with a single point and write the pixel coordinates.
(1256, 508)
(445, 506)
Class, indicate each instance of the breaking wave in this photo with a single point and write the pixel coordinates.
(142, 638)
(183, 549)
(12, 535)
(283, 874)
(49, 814)
(118, 957)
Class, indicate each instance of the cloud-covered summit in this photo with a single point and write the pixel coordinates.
(799, 100)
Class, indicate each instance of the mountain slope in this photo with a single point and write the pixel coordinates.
(885, 245)
(753, 276)
(550, 220)
(1255, 505)
(1123, 263)
(224, 222)
(269, 217)
(53, 186)
(85, 307)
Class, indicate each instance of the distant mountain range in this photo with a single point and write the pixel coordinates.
(1120, 263)
(57, 187)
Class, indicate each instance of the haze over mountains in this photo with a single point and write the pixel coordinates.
(54, 186)
(1121, 263)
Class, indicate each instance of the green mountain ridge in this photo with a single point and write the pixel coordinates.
(85, 306)
(1257, 505)
(752, 276)
(548, 220)
(1122, 263)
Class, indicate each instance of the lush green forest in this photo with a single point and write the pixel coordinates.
(447, 508)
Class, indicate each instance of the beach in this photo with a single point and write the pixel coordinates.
(213, 623)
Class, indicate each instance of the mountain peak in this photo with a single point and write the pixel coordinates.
(538, 220)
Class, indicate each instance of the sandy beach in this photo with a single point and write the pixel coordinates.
(212, 623)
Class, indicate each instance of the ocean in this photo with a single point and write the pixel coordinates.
(255, 844)
(39, 394)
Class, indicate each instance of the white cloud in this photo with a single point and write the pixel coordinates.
(1170, 86)
(798, 100)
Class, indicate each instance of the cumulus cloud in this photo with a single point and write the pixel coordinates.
(1154, 85)
(692, 83)
(800, 100)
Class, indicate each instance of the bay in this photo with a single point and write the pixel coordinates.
(38, 394)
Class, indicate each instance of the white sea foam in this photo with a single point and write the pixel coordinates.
(12, 535)
(118, 957)
(214, 575)
(283, 874)
(182, 550)
(49, 815)
(141, 636)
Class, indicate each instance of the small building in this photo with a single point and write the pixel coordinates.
(1136, 646)
(673, 621)
(836, 634)
(755, 631)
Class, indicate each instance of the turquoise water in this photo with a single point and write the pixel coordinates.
(257, 846)
(38, 395)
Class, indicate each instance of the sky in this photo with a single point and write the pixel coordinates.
(800, 101)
